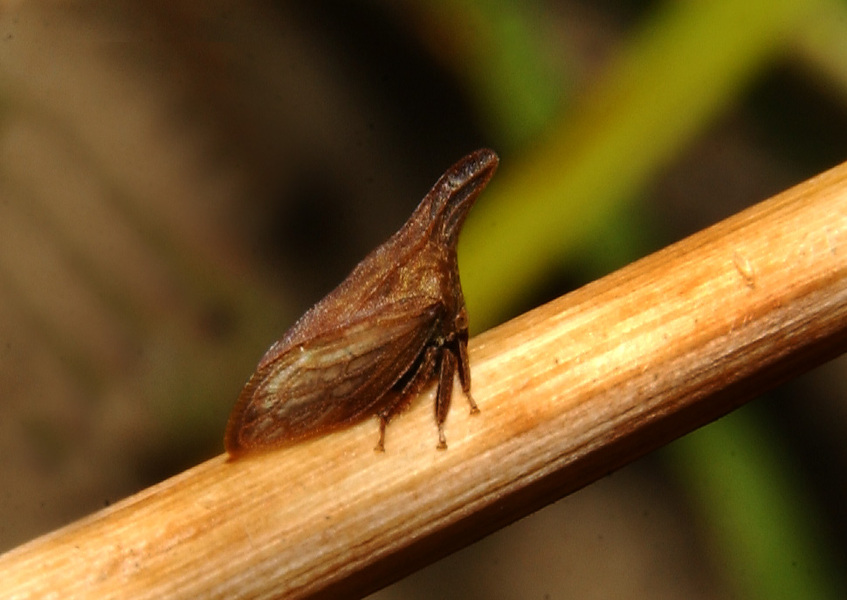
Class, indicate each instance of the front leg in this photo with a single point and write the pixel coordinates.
(464, 364)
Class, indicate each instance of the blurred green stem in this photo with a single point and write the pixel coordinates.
(667, 84)
(753, 510)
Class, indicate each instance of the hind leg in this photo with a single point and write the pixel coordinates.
(397, 401)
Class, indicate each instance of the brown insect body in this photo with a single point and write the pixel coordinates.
(367, 348)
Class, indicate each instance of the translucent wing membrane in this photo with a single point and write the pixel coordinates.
(327, 382)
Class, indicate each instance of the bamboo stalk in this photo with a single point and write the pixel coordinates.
(568, 392)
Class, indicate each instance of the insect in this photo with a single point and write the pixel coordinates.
(397, 322)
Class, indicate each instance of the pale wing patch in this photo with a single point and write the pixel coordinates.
(333, 379)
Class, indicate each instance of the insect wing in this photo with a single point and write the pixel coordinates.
(328, 381)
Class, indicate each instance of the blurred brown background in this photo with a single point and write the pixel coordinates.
(180, 180)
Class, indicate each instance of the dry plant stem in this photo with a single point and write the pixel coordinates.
(568, 392)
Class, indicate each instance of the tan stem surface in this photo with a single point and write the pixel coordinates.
(567, 392)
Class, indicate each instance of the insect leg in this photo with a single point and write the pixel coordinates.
(397, 400)
(444, 393)
(465, 372)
